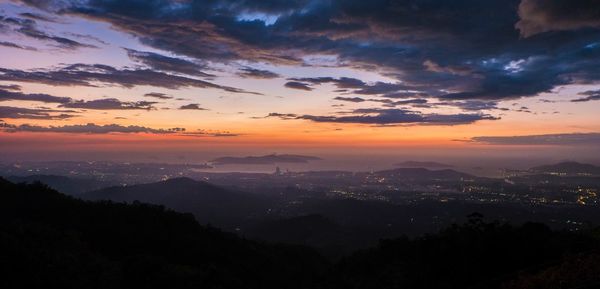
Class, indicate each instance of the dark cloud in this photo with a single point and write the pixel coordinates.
(192, 106)
(342, 83)
(589, 96)
(28, 27)
(357, 86)
(167, 64)
(457, 50)
(158, 95)
(67, 102)
(298, 85)
(91, 128)
(382, 88)
(90, 75)
(386, 102)
(18, 46)
(405, 94)
(391, 117)
(29, 113)
(472, 105)
(248, 72)
(62, 42)
(4, 125)
(538, 16)
(350, 99)
(277, 115)
(87, 37)
(36, 16)
(11, 87)
(224, 134)
(524, 109)
(109, 104)
(210, 133)
(42, 97)
(546, 139)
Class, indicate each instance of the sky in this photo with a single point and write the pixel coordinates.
(190, 80)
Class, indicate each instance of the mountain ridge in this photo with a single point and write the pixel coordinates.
(569, 167)
(209, 203)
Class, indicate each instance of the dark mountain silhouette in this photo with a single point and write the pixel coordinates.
(423, 174)
(330, 238)
(362, 223)
(312, 230)
(297, 229)
(49, 240)
(475, 255)
(209, 203)
(67, 185)
(264, 160)
(418, 164)
(568, 168)
(577, 271)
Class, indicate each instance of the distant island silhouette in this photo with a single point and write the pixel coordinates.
(418, 164)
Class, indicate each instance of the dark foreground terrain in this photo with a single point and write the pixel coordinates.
(50, 240)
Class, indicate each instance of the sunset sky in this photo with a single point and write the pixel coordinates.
(95, 77)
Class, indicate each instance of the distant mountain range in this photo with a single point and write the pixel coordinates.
(423, 174)
(418, 164)
(209, 203)
(68, 185)
(569, 168)
(264, 160)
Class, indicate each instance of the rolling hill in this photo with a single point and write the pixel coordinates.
(209, 203)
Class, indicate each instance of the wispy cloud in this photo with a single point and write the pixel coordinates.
(33, 113)
(589, 96)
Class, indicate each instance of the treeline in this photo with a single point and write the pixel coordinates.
(477, 255)
(49, 240)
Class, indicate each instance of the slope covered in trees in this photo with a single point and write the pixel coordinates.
(53, 241)
(49, 240)
(212, 204)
